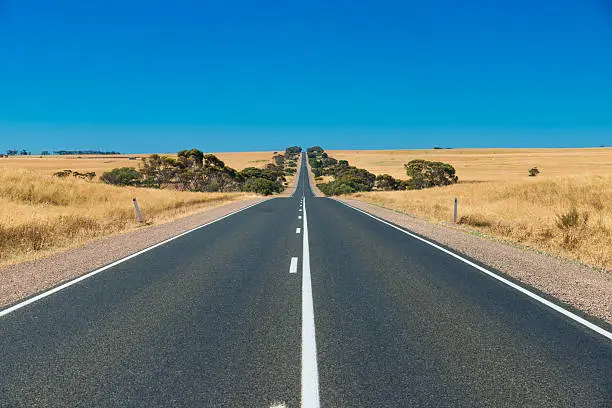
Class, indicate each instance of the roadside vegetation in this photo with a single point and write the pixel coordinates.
(347, 179)
(569, 216)
(192, 170)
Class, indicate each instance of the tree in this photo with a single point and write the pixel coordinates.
(123, 176)
(425, 174)
(63, 173)
(279, 159)
(44, 153)
(190, 158)
(293, 150)
(386, 182)
(11, 152)
(214, 161)
(261, 186)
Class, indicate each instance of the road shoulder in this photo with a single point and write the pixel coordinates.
(25, 279)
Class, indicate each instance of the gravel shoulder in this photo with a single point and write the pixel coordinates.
(583, 287)
(25, 279)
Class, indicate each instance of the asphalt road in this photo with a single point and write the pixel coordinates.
(367, 317)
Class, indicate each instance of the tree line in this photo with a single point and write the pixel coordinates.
(350, 179)
(193, 170)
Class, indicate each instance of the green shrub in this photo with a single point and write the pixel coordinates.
(386, 182)
(124, 176)
(533, 172)
(425, 174)
(262, 186)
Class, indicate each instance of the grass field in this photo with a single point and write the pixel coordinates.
(99, 164)
(40, 214)
(566, 210)
(487, 164)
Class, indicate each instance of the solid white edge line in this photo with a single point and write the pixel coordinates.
(115, 263)
(297, 230)
(310, 371)
(513, 285)
(293, 265)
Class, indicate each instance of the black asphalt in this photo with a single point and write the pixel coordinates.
(213, 319)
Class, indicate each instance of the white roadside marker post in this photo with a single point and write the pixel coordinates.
(455, 211)
(138, 215)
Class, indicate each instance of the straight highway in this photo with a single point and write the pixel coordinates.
(300, 301)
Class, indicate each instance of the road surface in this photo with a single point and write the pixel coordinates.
(301, 301)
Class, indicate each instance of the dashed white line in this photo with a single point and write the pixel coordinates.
(299, 217)
(297, 230)
(293, 265)
(310, 371)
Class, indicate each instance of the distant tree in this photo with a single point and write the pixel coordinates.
(11, 152)
(63, 173)
(293, 150)
(85, 176)
(386, 182)
(533, 172)
(24, 152)
(123, 176)
(425, 174)
(214, 161)
(314, 151)
(190, 158)
(44, 153)
(252, 172)
(279, 159)
(261, 186)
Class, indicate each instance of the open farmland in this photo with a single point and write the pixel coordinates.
(487, 164)
(100, 164)
(566, 210)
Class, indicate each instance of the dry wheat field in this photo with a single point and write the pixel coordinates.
(41, 214)
(99, 164)
(566, 210)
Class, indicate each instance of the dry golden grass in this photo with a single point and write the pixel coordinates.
(497, 197)
(99, 164)
(40, 214)
(487, 164)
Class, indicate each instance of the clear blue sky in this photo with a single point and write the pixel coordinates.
(234, 75)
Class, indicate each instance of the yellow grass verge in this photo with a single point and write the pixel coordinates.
(528, 212)
(40, 214)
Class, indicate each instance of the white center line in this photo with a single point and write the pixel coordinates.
(297, 230)
(310, 371)
(299, 217)
(293, 266)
